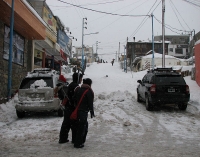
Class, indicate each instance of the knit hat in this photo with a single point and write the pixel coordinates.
(87, 81)
(62, 79)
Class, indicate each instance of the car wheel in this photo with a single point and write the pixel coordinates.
(20, 114)
(60, 112)
(139, 98)
(148, 104)
(182, 106)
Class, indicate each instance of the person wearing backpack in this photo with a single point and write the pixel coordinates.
(86, 105)
(68, 124)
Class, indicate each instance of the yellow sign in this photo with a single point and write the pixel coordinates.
(38, 54)
(51, 31)
(49, 19)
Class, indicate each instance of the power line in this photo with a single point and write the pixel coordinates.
(171, 28)
(192, 3)
(176, 14)
(102, 11)
(144, 20)
(180, 15)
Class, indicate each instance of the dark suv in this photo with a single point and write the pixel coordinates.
(163, 86)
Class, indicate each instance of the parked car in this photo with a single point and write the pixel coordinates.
(163, 86)
(36, 93)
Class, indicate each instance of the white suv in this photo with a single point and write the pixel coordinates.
(36, 93)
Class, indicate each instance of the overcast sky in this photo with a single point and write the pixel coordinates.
(131, 20)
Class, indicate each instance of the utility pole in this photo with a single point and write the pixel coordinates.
(163, 33)
(152, 44)
(119, 52)
(10, 52)
(124, 57)
(194, 40)
(82, 63)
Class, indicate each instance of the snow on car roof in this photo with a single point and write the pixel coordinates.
(42, 72)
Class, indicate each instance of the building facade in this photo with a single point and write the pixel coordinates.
(26, 27)
(136, 49)
(178, 46)
(39, 41)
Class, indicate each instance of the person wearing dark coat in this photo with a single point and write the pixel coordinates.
(68, 124)
(86, 106)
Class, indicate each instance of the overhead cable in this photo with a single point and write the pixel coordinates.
(181, 17)
(193, 3)
(144, 20)
(102, 11)
(171, 28)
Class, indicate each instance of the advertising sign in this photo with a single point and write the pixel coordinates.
(65, 42)
(49, 19)
(38, 54)
(18, 46)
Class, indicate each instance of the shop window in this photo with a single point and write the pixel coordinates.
(37, 61)
(171, 49)
(18, 47)
(179, 51)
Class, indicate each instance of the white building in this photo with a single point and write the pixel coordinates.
(145, 62)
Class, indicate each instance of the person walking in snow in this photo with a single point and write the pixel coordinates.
(86, 106)
(112, 62)
(68, 124)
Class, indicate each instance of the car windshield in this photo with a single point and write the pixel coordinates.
(28, 82)
(172, 79)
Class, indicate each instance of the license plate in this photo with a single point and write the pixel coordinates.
(171, 90)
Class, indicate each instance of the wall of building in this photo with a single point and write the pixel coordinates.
(18, 71)
(179, 51)
(197, 63)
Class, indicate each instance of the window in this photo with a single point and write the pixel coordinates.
(171, 49)
(26, 83)
(137, 46)
(179, 51)
(18, 47)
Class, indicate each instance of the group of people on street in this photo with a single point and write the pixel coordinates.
(74, 93)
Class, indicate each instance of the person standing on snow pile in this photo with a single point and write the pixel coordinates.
(86, 105)
(68, 124)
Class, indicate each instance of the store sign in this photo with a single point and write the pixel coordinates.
(18, 46)
(49, 19)
(63, 55)
(51, 35)
(51, 31)
(65, 42)
(38, 54)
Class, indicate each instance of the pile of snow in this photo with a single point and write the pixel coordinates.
(39, 84)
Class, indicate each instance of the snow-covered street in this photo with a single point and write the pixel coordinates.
(122, 126)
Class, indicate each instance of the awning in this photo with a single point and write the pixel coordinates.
(25, 22)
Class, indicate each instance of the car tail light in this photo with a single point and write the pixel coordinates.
(153, 89)
(187, 89)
